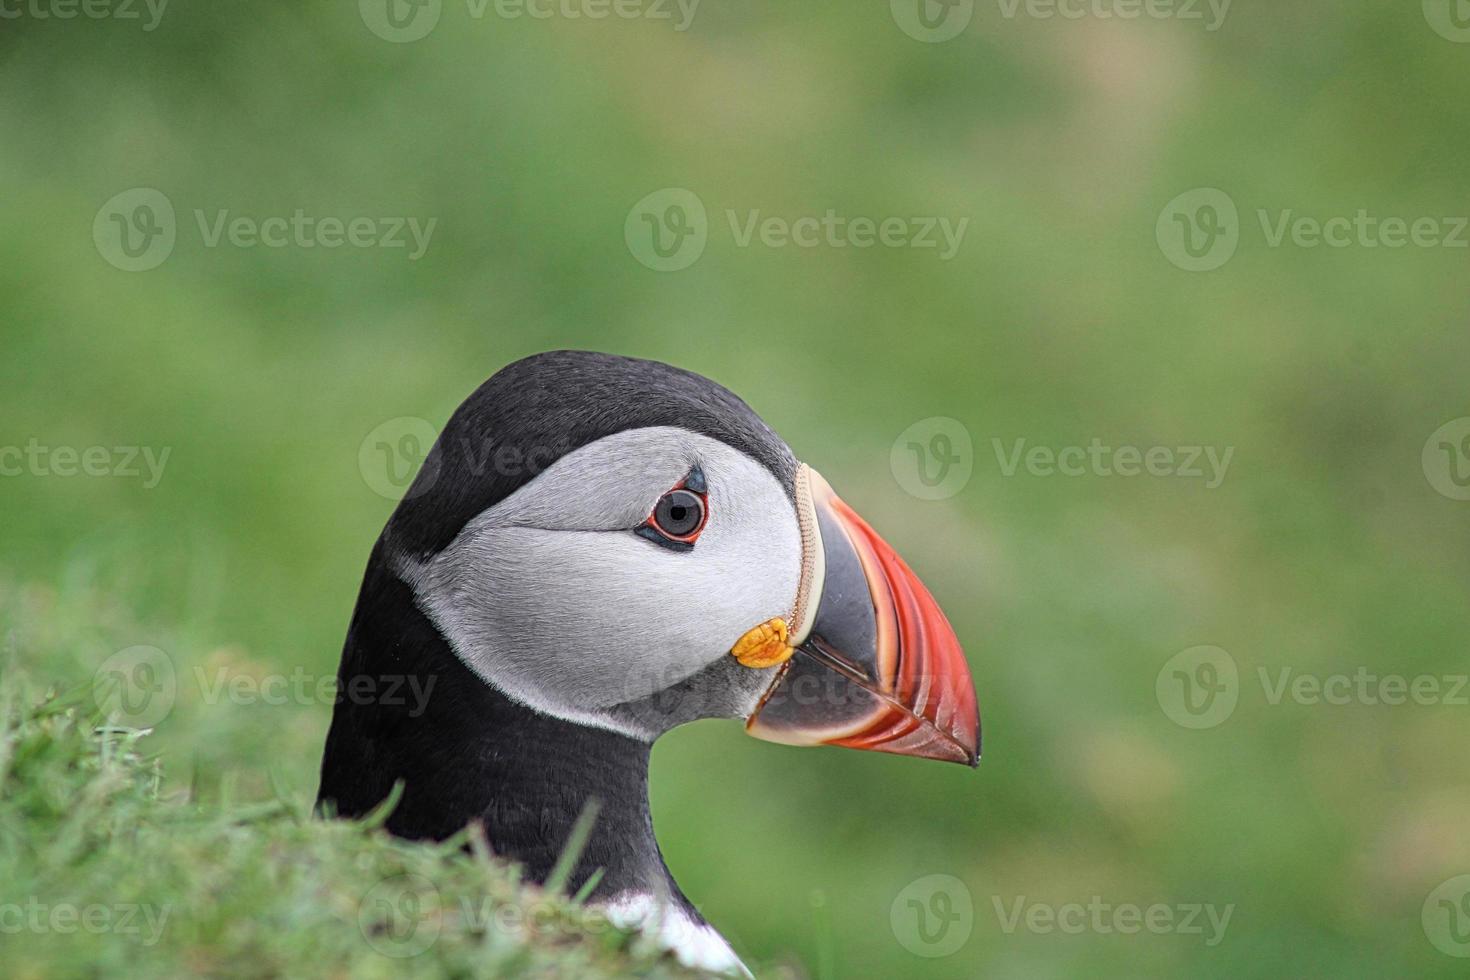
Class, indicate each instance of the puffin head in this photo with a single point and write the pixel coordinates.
(626, 545)
(598, 549)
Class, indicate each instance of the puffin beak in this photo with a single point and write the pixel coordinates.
(875, 665)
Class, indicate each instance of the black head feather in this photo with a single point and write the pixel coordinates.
(536, 410)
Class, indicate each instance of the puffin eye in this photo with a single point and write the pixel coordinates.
(679, 514)
(678, 517)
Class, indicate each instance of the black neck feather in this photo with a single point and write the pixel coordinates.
(465, 752)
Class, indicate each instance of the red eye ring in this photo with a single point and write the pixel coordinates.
(679, 516)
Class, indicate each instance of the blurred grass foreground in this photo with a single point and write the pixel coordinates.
(122, 879)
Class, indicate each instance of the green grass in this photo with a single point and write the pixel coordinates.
(107, 875)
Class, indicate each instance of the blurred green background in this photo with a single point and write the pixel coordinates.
(1065, 316)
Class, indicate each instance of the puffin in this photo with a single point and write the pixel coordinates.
(596, 550)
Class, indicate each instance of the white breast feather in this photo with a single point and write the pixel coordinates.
(695, 945)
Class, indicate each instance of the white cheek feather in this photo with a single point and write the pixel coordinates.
(551, 598)
(696, 945)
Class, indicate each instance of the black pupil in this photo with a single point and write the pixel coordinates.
(679, 513)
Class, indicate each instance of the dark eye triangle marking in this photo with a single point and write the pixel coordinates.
(645, 531)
